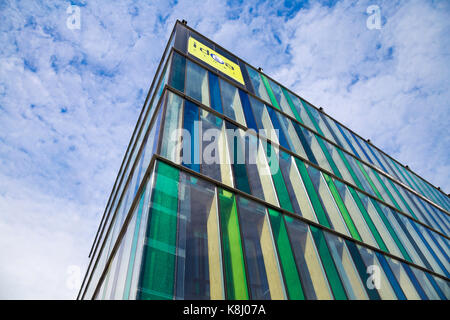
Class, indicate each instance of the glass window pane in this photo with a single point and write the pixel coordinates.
(376, 271)
(313, 276)
(260, 90)
(291, 106)
(265, 176)
(178, 69)
(236, 148)
(136, 259)
(126, 254)
(191, 144)
(422, 245)
(277, 177)
(328, 264)
(277, 90)
(210, 151)
(199, 265)
(336, 155)
(388, 243)
(263, 120)
(313, 143)
(265, 281)
(292, 279)
(170, 148)
(304, 117)
(232, 106)
(234, 269)
(341, 141)
(158, 261)
(286, 104)
(272, 97)
(344, 263)
(250, 118)
(197, 83)
(216, 101)
(253, 168)
(426, 284)
(313, 195)
(320, 124)
(296, 189)
(410, 252)
(403, 279)
(355, 213)
(327, 200)
(443, 286)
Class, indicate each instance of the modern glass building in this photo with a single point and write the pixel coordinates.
(235, 187)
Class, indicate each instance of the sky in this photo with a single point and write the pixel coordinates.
(70, 98)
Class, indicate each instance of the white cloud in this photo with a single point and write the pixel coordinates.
(41, 237)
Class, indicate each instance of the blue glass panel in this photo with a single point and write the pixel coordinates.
(191, 120)
(216, 102)
(391, 277)
(277, 126)
(414, 281)
(360, 146)
(346, 139)
(436, 287)
(249, 118)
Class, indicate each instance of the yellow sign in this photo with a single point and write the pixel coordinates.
(206, 54)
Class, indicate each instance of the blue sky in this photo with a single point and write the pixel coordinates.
(69, 100)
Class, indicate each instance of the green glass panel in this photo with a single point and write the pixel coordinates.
(292, 279)
(270, 92)
(328, 156)
(291, 105)
(387, 190)
(313, 120)
(342, 208)
(370, 180)
(278, 181)
(391, 230)
(368, 220)
(235, 278)
(350, 169)
(328, 264)
(158, 265)
(320, 213)
(403, 200)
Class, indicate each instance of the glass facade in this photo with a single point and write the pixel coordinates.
(232, 190)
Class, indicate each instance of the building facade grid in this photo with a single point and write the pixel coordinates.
(336, 219)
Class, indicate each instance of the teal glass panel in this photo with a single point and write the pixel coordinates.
(158, 263)
(178, 71)
(197, 83)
